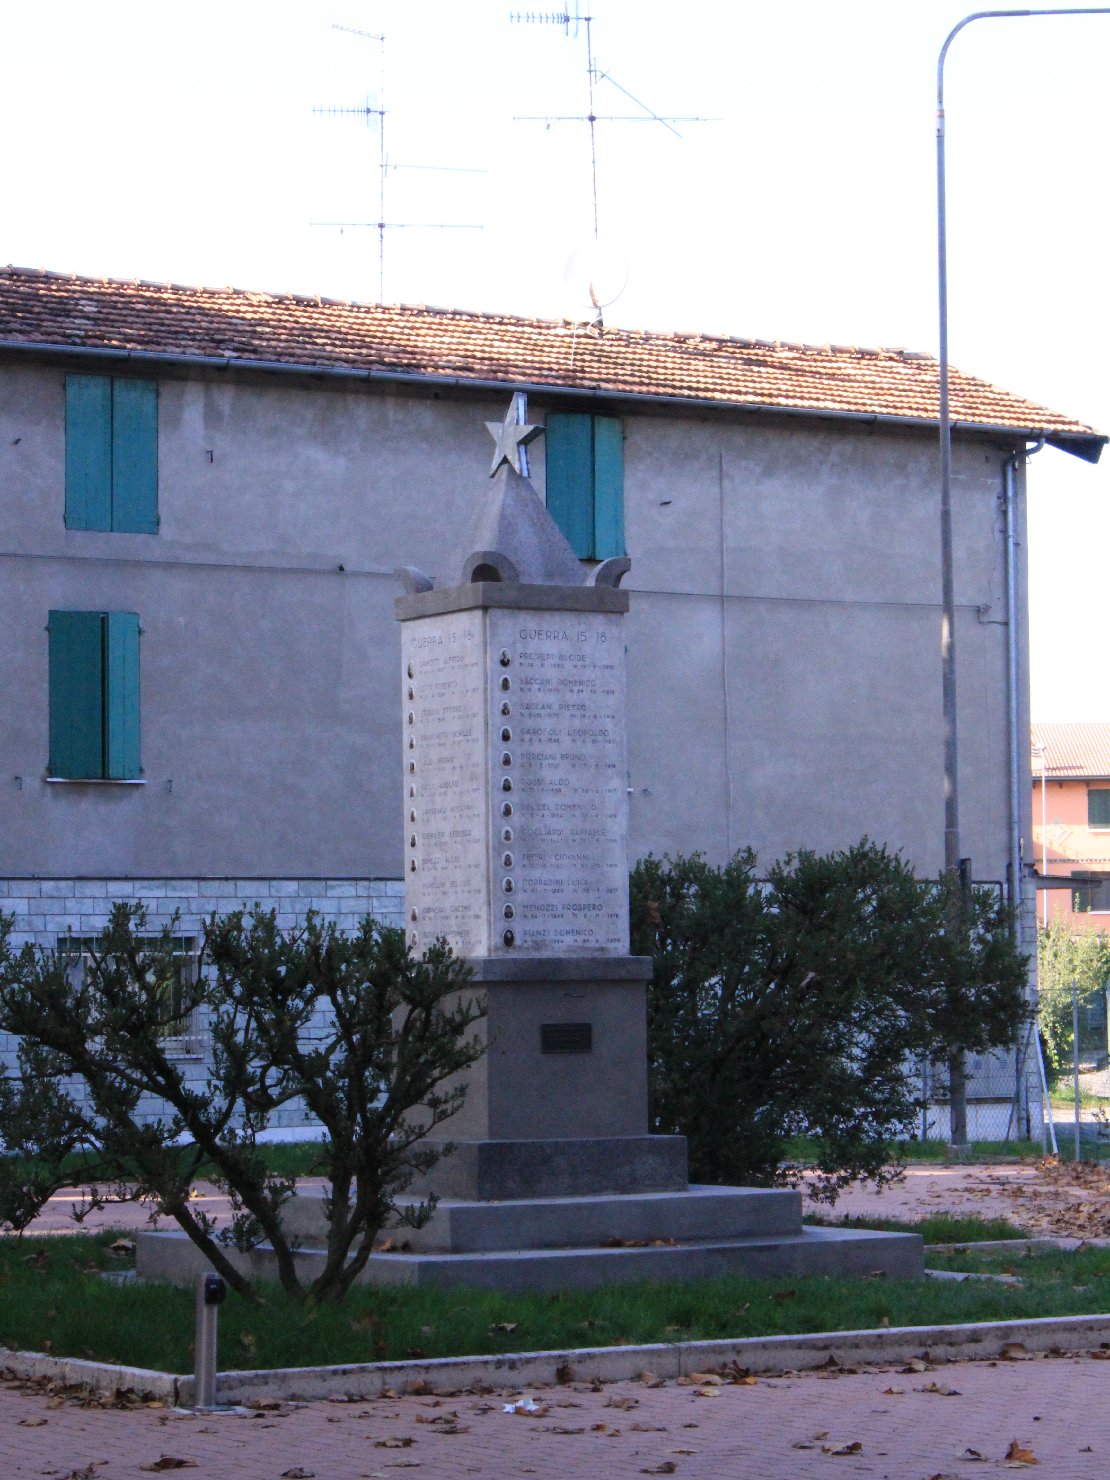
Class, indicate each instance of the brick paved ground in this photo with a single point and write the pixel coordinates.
(784, 1428)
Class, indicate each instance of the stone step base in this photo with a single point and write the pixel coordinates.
(817, 1251)
(814, 1251)
(693, 1215)
(584, 1166)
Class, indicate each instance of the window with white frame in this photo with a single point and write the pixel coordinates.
(182, 1027)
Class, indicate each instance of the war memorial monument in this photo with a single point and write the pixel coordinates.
(515, 815)
(515, 794)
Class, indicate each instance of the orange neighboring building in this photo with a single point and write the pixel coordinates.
(1071, 822)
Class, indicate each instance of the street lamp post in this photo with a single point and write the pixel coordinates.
(958, 1087)
(1043, 751)
(958, 1109)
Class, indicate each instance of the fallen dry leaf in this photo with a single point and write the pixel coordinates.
(32, 1423)
(940, 1389)
(894, 1392)
(667, 1467)
(707, 1392)
(1014, 1351)
(1019, 1454)
(297, 1473)
(394, 1443)
(855, 1447)
(974, 1456)
(170, 1462)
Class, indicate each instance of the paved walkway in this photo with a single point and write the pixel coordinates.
(901, 1424)
(963, 1420)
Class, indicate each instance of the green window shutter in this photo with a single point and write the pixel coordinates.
(121, 729)
(135, 456)
(569, 467)
(608, 487)
(88, 452)
(76, 647)
(1098, 807)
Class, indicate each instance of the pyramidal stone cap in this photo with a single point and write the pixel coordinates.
(512, 541)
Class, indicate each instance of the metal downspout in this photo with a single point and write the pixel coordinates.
(1013, 687)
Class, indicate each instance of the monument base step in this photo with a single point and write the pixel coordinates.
(584, 1166)
(694, 1214)
(814, 1251)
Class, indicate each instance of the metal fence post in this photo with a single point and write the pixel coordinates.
(1075, 1055)
(1048, 1126)
(211, 1292)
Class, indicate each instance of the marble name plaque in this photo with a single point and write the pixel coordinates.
(515, 792)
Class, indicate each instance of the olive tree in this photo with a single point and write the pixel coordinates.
(367, 1037)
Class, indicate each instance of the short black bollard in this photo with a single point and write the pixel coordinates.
(211, 1292)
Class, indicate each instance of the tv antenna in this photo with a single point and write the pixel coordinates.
(594, 74)
(370, 111)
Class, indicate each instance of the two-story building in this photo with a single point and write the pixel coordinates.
(1071, 823)
(205, 494)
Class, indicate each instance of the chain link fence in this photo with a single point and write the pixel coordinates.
(1075, 1030)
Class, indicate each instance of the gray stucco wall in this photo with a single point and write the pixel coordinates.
(784, 685)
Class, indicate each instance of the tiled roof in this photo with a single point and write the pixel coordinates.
(1080, 750)
(54, 310)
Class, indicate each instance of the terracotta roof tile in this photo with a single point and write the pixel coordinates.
(166, 319)
(1079, 750)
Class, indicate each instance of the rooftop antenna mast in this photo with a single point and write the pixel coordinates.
(594, 74)
(369, 112)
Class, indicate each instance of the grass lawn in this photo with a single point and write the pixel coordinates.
(52, 1299)
(938, 1228)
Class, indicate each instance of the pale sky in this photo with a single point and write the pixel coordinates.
(179, 142)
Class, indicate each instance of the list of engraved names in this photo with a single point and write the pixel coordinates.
(447, 881)
(558, 856)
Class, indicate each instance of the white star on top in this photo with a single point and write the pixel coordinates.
(512, 436)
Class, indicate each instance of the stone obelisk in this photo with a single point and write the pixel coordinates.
(516, 852)
(516, 843)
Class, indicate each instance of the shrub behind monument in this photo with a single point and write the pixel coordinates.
(794, 1004)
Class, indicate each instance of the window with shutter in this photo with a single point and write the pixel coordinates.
(94, 696)
(111, 454)
(1098, 806)
(585, 482)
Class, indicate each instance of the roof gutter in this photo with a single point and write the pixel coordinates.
(1086, 446)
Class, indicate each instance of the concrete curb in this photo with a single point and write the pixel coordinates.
(1019, 1245)
(979, 1341)
(101, 1377)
